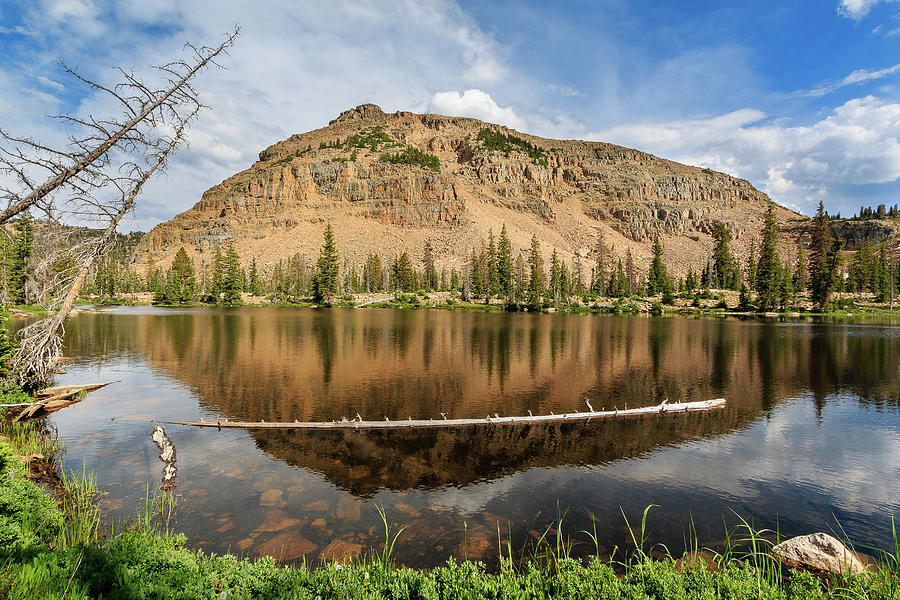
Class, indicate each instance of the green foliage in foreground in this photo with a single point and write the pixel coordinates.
(143, 561)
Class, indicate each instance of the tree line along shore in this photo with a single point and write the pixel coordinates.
(819, 276)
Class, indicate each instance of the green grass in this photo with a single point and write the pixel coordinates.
(27, 437)
(35, 308)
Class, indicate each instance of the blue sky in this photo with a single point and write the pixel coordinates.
(800, 97)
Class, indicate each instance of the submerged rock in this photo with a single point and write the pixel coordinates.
(348, 508)
(277, 520)
(244, 544)
(289, 545)
(271, 497)
(341, 550)
(818, 552)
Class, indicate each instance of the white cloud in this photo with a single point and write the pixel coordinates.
(66, 9)
(563, 90)
(856, 77)
(47, 82)
(477, 104)
(858, 143)
(857, 9)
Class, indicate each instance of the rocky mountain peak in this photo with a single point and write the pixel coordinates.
(389, 183)
(361, 112)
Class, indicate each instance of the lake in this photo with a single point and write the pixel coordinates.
(809, 439)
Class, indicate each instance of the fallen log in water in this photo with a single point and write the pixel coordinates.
(55, 398)
(62, 389)
(167, 456)
(376, 301)
(358, 423)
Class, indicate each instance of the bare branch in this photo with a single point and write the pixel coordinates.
(144, 107)
(41, 342)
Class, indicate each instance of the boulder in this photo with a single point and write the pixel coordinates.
(818, 552)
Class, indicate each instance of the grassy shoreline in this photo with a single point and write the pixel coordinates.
(51, 549)
(705, 303)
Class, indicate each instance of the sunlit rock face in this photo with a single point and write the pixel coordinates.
(569, 194)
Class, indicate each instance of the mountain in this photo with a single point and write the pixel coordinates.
(389, 182)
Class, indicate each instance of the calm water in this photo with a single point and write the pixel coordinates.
(809, 441)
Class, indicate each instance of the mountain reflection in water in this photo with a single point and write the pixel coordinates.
(800, 396)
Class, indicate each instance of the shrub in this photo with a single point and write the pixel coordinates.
(413, 156)
(501, 142)
(372, 138)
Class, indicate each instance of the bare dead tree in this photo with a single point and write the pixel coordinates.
(148, 111)
(98, 176)
(41, 342)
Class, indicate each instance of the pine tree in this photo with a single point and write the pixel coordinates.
(751, 267)
(744, 298)
(862, 269)
(20, 255)
(801, 273)
(325, 280)
(520, 279)
(657, 278)
(372, 273)
(690, 281)
(218, 277)
(232, 274)
(786, 290)
(618, 282)
(277, 282)
(404, 274)
(556, 277)
(598, 280)
(183, 280)
(505, 267)
(535, 274)
(880, 275)
(723, 261)
(630, 275)
(491, 270)
(577, 285)
(824, 259)
(255, 283)
(476, 273)
(769, 266)
(431, 276)
(706, 275)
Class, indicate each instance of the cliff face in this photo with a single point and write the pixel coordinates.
(568, 193)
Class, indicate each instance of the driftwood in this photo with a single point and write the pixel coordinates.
(358, 423)
(167, 456)
(55, 398)
(63, 389)
(376, 301)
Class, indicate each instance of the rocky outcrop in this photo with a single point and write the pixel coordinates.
(819, 553)
(569, 194)
(875, 231)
